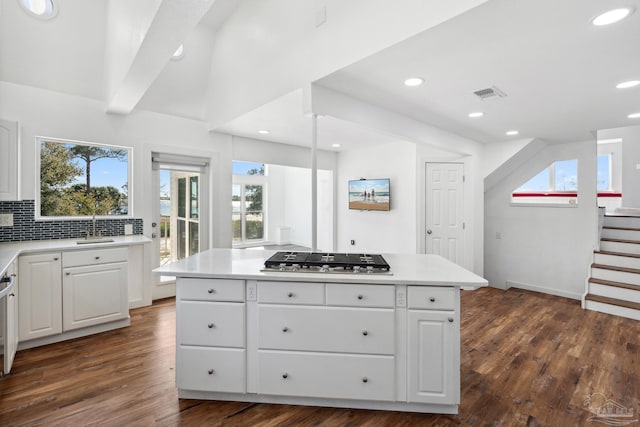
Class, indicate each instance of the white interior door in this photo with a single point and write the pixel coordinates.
(444, 231)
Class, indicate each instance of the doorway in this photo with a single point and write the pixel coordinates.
(444, 210)
(180, 228)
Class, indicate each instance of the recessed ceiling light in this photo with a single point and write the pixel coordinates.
(414, 81)
(612, 16)
(512, 132)
(263, 131)
(179, 53)
(335, 145)
(634, 116)
(43, 9)
(628, 84)
(476, 114)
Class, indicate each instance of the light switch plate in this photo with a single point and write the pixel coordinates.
(6, 220)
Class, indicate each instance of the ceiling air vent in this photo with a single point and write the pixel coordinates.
(490, 93)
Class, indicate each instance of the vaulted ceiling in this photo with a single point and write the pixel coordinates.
(557, 70)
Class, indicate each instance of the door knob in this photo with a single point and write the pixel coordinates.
(429, 231)
(154, 235)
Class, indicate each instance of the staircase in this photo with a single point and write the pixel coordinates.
(614, 285)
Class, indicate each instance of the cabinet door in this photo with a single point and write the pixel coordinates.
(9, 163)
(94, 294)
(434, 357)
(40, 300)
(10, 322)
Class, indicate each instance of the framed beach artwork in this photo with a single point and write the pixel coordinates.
(370, 194)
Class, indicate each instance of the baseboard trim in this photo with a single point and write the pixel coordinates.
(551, 291)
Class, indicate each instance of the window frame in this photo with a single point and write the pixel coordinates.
(243, 181)
(38, 195)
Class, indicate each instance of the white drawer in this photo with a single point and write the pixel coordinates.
(211, 369)
(338, 329)
(361, 295)
(219, 324)
(211, 289)
(94, 256)
(431, 298)
(291, 293)
(326, 375)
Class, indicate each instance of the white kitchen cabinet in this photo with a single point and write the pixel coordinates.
(9, 160)
(40, 301)
(210, 335)
(9, 319)
(72, 293)
(94, 294)
(434, 346)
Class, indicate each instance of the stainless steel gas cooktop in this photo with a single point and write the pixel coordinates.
(323, 262)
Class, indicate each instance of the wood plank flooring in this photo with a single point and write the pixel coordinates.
(527, 360)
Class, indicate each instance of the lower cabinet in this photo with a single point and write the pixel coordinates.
(433, 357)
(71, 290)
(378, 346)
(94, 294)
(40, 300)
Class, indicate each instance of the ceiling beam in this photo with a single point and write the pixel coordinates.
(130, 79)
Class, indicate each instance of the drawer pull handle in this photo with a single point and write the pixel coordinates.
(360, 296)
(285, 375)
(450, 319)
(68, 273)
(210, 371)
(97, 257)
(365, 380)
(365, 332)
(285, 329)
(211, 290)
(56, 258)
(290, 294)
(210, 325)
(432, 299)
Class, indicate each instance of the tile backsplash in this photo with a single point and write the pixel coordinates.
(25, 227)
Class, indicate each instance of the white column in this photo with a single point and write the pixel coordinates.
(314, 182)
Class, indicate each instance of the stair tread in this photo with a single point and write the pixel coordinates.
(613, 227)
(607, 239)
(615, 268)
(614, 284)
(624, 254)
(613, 301)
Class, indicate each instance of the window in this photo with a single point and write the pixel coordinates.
(80, 179)
(556, 184)
(604, 173)
(247, 202)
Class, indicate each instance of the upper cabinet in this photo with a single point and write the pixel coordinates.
(9, 160)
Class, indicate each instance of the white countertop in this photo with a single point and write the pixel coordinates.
(407, 269)
(9, 251)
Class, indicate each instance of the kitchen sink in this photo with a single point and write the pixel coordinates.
(89, 240)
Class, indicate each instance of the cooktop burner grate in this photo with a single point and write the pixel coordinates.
(326, 262)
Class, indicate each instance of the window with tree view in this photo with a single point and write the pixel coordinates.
(83, 179)
(247, 195)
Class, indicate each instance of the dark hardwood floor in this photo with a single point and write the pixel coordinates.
(527, 360)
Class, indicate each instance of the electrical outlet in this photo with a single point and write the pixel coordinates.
(128, 229)
(6, 220)
(353, 242)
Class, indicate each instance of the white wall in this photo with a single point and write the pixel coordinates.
(630, 169)
(289, 194)
(261, 44)
(52, 114)
(546, 249)
(379, 231)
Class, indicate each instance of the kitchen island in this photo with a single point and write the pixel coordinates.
(377, 341)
